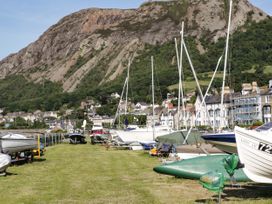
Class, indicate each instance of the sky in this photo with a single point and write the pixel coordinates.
(23, 21)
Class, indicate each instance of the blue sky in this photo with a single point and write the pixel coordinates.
(23, 21)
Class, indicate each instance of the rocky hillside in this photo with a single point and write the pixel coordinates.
(99, 42)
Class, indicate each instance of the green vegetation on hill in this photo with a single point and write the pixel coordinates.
(17, 94)
(250, 60)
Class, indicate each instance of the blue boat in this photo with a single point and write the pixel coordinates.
(148, 146)
(224, 141)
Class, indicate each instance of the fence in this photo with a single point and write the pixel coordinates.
(51, 139)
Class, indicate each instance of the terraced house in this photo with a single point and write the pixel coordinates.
(253, 104)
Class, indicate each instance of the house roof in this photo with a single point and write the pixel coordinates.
(215, 99)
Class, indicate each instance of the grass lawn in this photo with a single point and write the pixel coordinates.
(190, 84)
(91, 174)
(268, 70)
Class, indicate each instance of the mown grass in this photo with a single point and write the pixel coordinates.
(268, 70)
(190, 84)
(91, 174)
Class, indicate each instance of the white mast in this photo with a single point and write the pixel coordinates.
(127, 86)
(180, 75)
(203, 101)
(121, 98)
(179, 63)
(225, 69)
(153, 101)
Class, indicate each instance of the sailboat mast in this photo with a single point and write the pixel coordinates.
(127, 87)
(119, 104)
(178, 61)
(180, 75)
(225, 70)
(153, 101)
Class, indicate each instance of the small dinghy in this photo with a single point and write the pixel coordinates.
(12, 143)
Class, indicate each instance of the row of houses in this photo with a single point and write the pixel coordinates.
(251, 105)
(37, 115)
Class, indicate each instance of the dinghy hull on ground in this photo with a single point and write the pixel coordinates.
(196, 167)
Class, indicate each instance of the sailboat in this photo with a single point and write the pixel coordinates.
(12, 143)
(144, 135)
(223, 140)
(255, 152)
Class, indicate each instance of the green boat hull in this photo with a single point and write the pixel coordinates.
(196, 167)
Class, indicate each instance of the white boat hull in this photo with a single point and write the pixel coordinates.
(143, 136)
(13, 143)
(255, 152)
(225, 146)
(5, 161)
(136, 148)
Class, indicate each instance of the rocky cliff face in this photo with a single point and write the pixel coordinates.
(102, 40)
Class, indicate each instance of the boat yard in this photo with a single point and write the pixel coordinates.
(93, 174)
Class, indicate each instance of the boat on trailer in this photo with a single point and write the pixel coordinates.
(12, 143)
(255, 152)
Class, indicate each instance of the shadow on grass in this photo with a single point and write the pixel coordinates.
(251, 192)
(9, 174)
(39, 160)
(25, 161)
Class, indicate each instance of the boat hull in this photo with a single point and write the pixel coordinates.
(5, 161)
(12, 145)
(139, 136)
(223, 141)
(255, 152)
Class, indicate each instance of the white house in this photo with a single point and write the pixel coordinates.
(115, 95)
(140, 106)
(167, 118)
(186, 118)
(50, 114)
(210, 115)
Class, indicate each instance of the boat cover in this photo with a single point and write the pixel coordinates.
(196, 167)
(178, 138)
